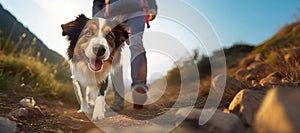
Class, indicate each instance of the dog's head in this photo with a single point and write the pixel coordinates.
(94, 40)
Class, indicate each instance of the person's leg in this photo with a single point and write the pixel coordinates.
(118, 87)
(117, 75)
(138, 61)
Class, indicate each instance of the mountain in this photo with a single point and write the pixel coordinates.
(11, 28)
(27, 65)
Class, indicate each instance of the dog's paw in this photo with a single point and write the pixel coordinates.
(97, 117)
(99, 109)
(79, 111)
(83, 108)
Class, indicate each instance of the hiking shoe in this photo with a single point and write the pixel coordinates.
(139, 96)
(118, 103)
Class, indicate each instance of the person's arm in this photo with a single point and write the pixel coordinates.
(98, 5)
(152, 4)
(152, 9)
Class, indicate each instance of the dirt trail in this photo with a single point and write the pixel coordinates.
(57, 116)
(62, 117)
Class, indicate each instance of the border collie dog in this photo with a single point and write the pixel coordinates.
(94, 45)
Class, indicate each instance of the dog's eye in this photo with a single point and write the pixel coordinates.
(88, 33)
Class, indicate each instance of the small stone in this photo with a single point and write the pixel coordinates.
(254, 84)
(36, 111)
(245, 104)
(27, 102)
(21, 112)
(241, 73)
(3, 95)
(220, 122)
(250, 77)
(7, 126)
(259, 57)
(271, 79)
(230, 85)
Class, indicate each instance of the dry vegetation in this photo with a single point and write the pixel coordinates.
(25, 71)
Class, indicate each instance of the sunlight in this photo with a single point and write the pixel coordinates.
(67, 9)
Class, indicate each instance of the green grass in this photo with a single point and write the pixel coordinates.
(288, 36)
(26, 71)
(28, 74)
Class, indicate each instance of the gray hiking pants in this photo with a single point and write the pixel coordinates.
(136, 24)
(138, 57)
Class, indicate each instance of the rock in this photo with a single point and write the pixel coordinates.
(255, 84)
(271, 79)
(26, 113)
(220, 122)
(231, 88)
(296, 29)
(21, 112)
(286, 82)
(250, 78)
(247, 61)
(3, 95)
(27, 102)
(279, 112)
(7, 126)
(36, 111)
(259, 57)
(241, 73)
(256, 67)
(288, 58)
(252, 67)
(245, 104)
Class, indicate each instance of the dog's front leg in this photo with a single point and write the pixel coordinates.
(99, 108)
(81, 95)
(84, 104)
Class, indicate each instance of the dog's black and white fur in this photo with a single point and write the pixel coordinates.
(94, 46)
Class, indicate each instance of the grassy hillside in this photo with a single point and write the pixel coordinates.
(287, 37)
(234, 55)
(27, 65)
(14, 33)
(280, 53)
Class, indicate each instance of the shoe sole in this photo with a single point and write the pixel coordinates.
(139, 95)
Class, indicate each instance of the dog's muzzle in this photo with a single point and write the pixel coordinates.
(97, 53)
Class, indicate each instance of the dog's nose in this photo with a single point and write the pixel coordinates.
(99, 51)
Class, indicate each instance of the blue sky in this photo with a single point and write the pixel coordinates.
(250, 21)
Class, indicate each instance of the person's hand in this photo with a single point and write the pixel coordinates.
(152, 14)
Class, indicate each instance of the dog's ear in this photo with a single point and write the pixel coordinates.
(75, 26)
(121, 33)
(72, 30)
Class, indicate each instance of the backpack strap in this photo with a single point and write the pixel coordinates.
(143, 8)
(145, 13)
(106, 8)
